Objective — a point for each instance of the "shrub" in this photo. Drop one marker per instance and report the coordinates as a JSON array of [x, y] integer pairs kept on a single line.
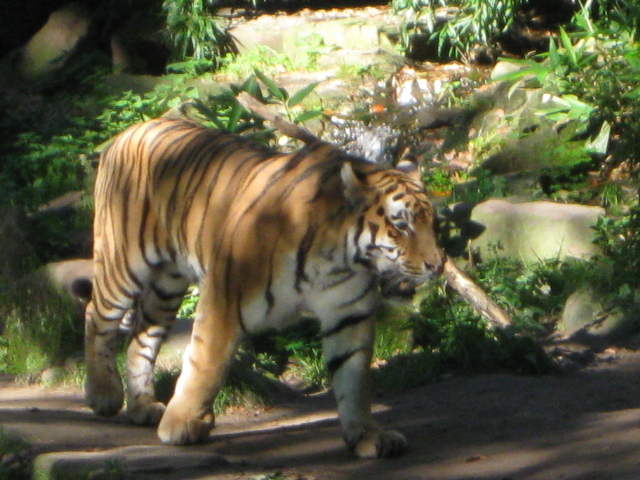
[[38, 327], [195, 32], [457, 26], [15, 457]]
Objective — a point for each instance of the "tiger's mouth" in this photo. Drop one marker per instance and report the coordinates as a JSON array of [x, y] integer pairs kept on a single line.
[[397, 286]]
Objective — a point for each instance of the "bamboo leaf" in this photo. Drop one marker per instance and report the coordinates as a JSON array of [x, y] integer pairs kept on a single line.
[[301, 94], [279, 93], [568, 46]]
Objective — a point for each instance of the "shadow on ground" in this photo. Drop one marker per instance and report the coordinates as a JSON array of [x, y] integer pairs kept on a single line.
[[574, 426]]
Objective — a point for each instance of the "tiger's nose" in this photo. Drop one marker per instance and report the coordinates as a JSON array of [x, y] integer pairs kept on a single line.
[[435, 270]]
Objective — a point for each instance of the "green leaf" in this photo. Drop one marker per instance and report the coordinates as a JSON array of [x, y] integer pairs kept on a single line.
[[554, 57], [600, 143], [301, 94], [280, 93], [308, 115], [251, 87], [568, 46], [234, 116]]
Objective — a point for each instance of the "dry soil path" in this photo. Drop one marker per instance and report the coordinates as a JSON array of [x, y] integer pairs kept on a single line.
[[583, 425]]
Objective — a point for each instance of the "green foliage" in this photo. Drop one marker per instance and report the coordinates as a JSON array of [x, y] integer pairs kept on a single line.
[[619, 241], [39, 328], [621, 15], [457, 26], [261, 57], [15, 457], [195, 32], [41, 154], [289, 102], [447, 328], [595, 69], [223, 111]]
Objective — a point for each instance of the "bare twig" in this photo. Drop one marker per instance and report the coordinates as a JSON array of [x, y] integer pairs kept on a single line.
[[285, 126]]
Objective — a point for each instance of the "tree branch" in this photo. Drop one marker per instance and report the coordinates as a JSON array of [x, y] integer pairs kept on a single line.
[[475, 295], [285, 126]]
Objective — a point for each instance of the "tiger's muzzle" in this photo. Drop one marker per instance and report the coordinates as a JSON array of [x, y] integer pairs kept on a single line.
[[402, 285]]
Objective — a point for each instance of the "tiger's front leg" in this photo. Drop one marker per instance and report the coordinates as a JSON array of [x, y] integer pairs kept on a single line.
[[348, 349], [214, 340]]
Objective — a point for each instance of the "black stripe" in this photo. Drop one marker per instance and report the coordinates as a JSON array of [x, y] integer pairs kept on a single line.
[[148, 319], [373, 228], [371, 285], [268, 294], [359, 230], [301, 256], [132, 276], [146, 207], [349, 321], [347, 275], [336, 363], [164, 295], [157, 334]]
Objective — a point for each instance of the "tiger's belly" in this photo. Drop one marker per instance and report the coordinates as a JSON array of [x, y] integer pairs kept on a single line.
[[326, 297], [276, 308]]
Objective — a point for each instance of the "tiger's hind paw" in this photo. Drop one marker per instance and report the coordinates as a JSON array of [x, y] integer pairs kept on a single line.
[[380, 444], [185, 432], [146, 414], [104, 401]]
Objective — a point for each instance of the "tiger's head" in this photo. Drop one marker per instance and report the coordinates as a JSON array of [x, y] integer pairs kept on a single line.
[[397, 227]]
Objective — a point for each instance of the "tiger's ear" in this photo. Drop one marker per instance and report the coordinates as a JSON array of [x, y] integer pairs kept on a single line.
[[409, 165], [353, 185]]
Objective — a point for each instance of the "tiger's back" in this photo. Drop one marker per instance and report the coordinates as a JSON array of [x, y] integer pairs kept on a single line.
[[266, 235]]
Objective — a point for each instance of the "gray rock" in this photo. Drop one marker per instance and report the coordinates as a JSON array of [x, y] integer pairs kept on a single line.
[[291, 34], [124, 462], [587, 318], [51, 375], [54, 44], [532, 231]]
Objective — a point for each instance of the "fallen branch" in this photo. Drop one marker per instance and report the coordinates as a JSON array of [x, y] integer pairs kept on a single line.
[[283, 125], [457, 279], [475, 295]]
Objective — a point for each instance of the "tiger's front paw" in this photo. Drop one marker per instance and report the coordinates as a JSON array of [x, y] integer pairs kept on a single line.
[[380, 444], [175, 430], [104, 398], [146, 414]]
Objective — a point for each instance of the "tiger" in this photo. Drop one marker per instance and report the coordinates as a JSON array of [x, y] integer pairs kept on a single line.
[[266, 236]]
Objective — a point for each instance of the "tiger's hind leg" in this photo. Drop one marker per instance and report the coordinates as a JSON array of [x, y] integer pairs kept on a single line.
[[103, 388], [156, 313]]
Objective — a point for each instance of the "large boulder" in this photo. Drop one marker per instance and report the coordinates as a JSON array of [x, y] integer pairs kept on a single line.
[[532, 231], [53, 45]]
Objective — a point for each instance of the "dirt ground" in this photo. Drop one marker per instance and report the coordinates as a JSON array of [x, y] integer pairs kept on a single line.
[[582, 425]]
